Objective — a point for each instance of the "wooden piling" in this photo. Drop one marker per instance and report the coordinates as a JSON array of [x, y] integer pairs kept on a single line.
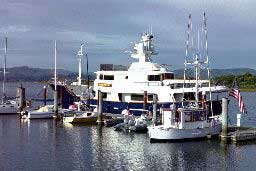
[[100, 101], [20, 99], [154, 109], [238, 122], [224, 132], [145, 101], [55, 104], [45, 95]]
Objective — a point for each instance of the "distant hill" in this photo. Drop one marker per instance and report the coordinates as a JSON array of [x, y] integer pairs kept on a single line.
[[25, 73], [217, 72]]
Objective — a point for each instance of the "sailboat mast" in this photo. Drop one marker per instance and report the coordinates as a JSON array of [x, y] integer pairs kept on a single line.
[[4, 79], [55, 66]]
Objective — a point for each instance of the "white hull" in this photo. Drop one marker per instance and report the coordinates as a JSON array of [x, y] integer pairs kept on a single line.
[[87, 117], [40, 115], [161, 133], [8, 109]]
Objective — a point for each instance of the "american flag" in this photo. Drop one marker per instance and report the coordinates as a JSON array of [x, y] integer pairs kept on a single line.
[[235, 92]]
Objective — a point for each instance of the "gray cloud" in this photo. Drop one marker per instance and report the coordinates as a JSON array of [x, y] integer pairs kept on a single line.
[[108, 27]]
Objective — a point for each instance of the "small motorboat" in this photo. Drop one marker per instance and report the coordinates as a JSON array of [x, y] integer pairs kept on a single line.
[[82, 117], [41, 113], [46, 112], [9, 107]]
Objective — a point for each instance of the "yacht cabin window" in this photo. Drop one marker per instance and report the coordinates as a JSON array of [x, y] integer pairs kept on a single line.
[[154, 78], [140, 97], [101, 77], [106, 77], [120, 97], [167, 76]]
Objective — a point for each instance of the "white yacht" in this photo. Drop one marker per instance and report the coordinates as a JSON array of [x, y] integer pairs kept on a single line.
[[126, 89], [191, 120]]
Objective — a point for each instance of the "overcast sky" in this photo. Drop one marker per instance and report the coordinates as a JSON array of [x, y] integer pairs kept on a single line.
[[107, 28]]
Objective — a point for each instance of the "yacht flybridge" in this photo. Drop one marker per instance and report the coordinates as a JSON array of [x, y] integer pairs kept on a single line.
[[127, 89]]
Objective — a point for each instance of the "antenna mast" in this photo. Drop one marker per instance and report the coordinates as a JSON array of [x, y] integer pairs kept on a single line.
[[80, 55], [207, 58], [4, 79], [189, 31]]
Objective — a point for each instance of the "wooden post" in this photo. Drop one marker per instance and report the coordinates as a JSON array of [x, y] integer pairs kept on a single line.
[[224, 132], [55, 104], [21, 98], [238, 117], [154, 109], [45, 95], [145, 102], [100, 99], [61, 97], [24, 97]]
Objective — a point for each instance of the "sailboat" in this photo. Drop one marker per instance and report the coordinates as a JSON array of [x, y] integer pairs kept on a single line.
[[46, 111], [194, 119], [7, 106]]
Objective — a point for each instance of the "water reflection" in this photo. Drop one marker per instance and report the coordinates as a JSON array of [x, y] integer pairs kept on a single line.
[[49, 145]]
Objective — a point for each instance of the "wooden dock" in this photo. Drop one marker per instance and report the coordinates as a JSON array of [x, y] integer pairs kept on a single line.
[[239, 134]]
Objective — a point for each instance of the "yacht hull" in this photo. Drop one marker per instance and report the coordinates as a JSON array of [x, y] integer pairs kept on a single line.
[[8, 109], [80, 119], [171, 134], [136, 108], [40, 115]]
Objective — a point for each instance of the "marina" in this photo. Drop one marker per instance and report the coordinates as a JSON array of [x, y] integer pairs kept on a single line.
[[79, 147], [127, 86]]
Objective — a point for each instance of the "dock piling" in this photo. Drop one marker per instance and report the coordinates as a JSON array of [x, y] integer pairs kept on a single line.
[[45, 95], [55, 104], [145, 101], [100, 99], [238, 123], [21, 98], [224, 132], [154, 109]]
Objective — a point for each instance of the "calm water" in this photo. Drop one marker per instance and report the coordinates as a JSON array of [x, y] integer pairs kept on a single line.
[[47, 145]]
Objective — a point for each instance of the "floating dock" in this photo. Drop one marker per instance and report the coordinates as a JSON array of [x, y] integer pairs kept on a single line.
[[240, 134]]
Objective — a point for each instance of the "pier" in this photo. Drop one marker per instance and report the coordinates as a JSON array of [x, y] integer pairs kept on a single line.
[[235, 134]]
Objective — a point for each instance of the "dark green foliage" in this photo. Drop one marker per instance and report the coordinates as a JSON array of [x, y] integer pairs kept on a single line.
[[245, 81]]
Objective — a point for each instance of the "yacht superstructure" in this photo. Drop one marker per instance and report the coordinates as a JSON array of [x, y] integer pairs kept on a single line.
[[127, 89]]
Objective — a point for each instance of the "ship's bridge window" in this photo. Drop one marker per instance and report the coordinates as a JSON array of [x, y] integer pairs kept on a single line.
[[167, 76], [101, 77], [106, 77], [140, 97], [154, 78]]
